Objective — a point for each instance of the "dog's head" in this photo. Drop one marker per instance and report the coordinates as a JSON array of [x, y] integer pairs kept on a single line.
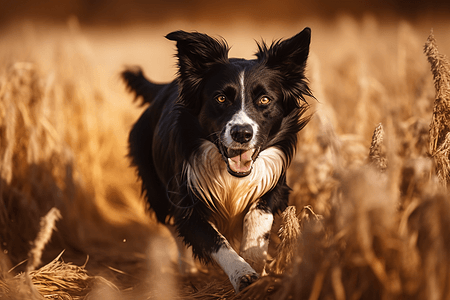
[[244, 106]]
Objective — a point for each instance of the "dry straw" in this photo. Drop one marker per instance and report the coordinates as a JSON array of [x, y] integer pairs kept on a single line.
[[47, 226], [55, 280], [440, 124], [54, 151], [373, 241], [289, 232], [377, 155]]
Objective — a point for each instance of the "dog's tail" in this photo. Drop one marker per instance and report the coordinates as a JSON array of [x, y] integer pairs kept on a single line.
[[136, 82]]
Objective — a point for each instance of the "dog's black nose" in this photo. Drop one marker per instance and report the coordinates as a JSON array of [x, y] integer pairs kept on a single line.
[[241, 133]]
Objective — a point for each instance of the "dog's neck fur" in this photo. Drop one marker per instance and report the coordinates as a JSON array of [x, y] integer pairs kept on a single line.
[[227, 196]]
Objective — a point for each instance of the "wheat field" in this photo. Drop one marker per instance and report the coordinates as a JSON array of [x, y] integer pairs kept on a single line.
[[370, 211]]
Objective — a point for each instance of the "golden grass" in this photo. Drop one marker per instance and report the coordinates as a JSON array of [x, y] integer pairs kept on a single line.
[[289, 232], [373, 216], [377, 157], [439, 128]]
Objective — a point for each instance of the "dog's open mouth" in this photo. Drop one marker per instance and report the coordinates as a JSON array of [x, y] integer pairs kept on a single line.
[[239, 161]]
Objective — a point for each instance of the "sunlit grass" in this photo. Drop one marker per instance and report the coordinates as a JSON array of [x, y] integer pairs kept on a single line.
[[382, 220]]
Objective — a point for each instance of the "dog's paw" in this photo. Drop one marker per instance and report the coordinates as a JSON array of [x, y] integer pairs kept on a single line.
[[247, 280]]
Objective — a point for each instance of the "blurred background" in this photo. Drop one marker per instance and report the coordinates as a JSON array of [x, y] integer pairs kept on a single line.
[[119, 12]]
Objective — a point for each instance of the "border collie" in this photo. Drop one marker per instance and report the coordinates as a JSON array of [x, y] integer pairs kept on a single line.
[[213, 147]]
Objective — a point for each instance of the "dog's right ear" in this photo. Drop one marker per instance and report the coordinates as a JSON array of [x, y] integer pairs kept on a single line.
[[197, 53]]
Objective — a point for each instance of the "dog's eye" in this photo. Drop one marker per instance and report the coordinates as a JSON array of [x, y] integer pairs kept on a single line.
[[221, 98], [264, 100]]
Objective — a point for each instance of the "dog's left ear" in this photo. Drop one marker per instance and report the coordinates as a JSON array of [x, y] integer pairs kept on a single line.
[[197, 54], [289, 58]]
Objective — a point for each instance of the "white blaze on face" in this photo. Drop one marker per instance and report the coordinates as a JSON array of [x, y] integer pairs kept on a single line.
[[240, 118], [242, 86]]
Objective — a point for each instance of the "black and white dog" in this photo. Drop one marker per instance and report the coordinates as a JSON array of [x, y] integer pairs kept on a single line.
[[213, 147]]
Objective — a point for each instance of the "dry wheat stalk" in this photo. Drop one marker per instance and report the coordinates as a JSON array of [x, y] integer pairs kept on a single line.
[[377, 155], [55, 280], [47, 225], [58, 278], [440, 124], [441, 157], [289, 232]]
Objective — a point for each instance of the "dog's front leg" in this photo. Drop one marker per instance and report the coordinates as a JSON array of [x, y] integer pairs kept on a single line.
[[258, 223], [209, 244], [255, 240], [240, 273]]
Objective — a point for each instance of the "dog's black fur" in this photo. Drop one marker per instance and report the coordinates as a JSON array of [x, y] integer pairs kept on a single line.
[[193, 113]]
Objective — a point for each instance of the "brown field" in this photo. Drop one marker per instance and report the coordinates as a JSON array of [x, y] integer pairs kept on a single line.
[[371, 211]]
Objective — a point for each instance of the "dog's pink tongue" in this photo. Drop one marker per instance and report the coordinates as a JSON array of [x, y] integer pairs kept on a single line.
[[241, 163]]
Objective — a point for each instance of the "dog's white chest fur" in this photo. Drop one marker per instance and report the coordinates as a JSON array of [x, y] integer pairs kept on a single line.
[[226, 195]]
